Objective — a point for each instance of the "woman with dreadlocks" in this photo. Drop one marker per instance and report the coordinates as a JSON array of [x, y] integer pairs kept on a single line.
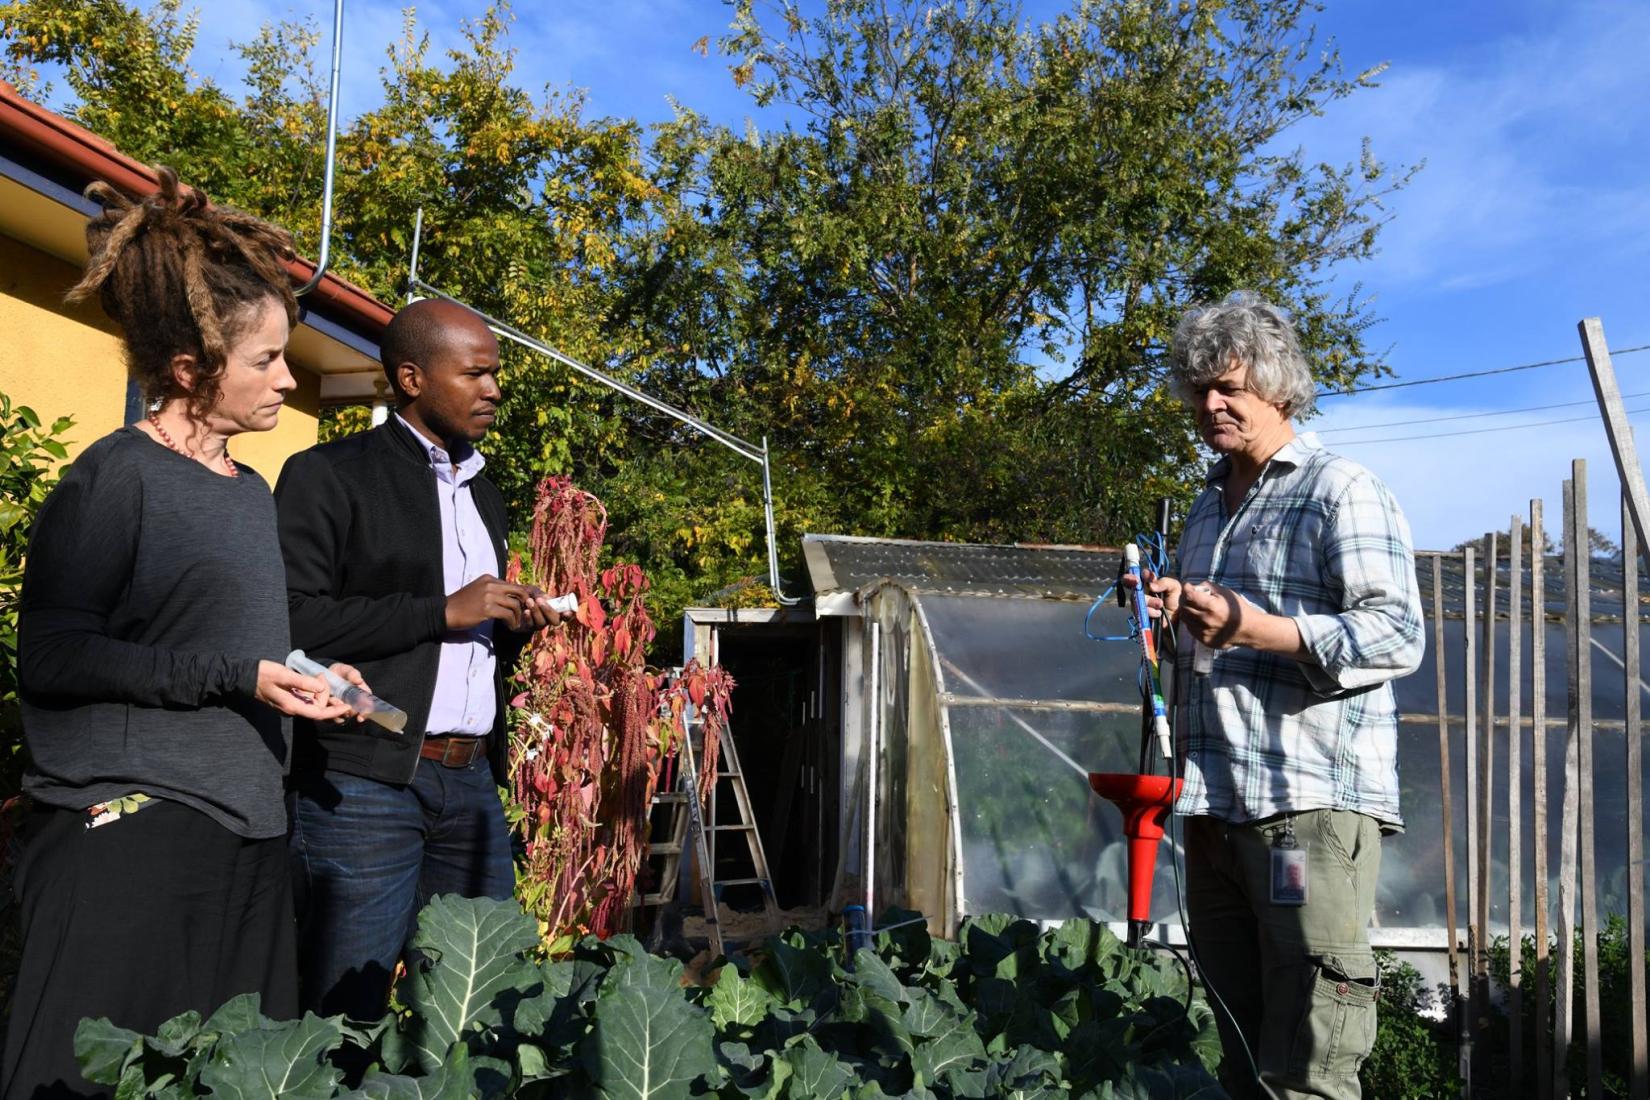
[[153, 624]]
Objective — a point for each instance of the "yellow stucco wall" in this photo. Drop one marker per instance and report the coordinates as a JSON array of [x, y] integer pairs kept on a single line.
[[59, 360], [66, 361]]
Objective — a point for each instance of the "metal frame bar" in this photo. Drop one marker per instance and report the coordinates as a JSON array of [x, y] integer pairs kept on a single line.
[[874, 737], [417, 287], [332, 153], [953, 913]]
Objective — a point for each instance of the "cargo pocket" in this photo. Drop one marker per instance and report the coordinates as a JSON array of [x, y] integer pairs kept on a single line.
[[1338, 1029]]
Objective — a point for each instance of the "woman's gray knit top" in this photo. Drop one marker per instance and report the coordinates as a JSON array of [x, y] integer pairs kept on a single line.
[[152, 588]]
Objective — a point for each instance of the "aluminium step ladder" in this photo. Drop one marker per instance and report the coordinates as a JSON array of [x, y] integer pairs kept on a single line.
[[687, 824]]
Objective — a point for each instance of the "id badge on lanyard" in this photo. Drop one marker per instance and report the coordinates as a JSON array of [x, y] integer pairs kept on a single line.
[[1289, 881]]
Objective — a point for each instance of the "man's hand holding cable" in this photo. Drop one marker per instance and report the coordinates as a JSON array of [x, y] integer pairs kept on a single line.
[[1220, 618], [1163, 593]]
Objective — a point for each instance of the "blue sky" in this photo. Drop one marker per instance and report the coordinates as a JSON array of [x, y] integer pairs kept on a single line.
[[1532, 118]]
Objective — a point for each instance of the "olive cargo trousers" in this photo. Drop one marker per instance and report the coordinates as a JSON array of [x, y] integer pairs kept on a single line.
[[1299, 979]]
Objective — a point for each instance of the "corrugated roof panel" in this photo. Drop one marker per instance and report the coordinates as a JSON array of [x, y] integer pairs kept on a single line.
[[844, 563], [1605, 577]]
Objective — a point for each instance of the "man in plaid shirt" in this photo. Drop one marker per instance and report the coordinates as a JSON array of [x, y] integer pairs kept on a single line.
[[1295, 609]]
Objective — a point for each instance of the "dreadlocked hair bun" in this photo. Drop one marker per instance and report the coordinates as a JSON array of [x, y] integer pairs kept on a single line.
[[181, 277]]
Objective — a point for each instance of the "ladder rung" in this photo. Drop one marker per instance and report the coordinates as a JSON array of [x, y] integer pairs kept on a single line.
[[733, 828], [730, 775], [742, 882], [664, 849], [669, 797], [654, 899]]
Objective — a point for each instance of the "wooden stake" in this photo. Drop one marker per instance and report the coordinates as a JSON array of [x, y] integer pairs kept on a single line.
[[1616, 427], [1474, 1006], [1538, 793], [1444, 787], [1486, 772], [1638, 1077], [1515, 782], [1584, 725], [1563, 1008], [1636, 514]]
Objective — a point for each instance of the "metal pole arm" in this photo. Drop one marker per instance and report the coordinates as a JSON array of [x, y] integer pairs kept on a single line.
[[758, 455], [321, 260]]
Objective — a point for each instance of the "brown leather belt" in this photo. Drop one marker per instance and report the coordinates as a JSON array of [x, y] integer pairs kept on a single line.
[[453, 752]]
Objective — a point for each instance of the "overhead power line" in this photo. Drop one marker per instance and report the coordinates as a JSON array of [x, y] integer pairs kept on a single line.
[[1471, 416], [1479, 431], [1472, 374]]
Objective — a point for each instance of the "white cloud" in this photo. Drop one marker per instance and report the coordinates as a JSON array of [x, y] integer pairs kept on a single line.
[[1535, 146]]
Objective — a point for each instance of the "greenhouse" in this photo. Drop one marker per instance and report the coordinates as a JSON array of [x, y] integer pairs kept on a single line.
[[957, 694]]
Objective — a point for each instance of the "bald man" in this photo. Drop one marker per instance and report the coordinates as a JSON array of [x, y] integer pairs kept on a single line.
[[394, 542]]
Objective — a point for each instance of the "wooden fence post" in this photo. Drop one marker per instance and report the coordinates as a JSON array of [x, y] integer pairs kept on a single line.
[[1515, 808], [1474, 1006], [1638, 1078], [1565, 993], [1636, 513], [1444, 782], [1584, 722], [1486, 769], [1538, 792], [1614, 415]]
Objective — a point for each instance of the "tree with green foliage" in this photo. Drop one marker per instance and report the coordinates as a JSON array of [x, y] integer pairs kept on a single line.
[[942, 288], [946, 288]]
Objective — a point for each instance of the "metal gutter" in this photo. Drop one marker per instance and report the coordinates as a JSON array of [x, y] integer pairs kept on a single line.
[[57, 142]]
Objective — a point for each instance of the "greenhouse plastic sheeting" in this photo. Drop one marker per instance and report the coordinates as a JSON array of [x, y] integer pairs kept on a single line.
[[1035, 839], [993, 709], [1032, 649]]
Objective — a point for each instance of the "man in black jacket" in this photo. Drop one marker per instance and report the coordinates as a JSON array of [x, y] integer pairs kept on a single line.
[[393, 544]]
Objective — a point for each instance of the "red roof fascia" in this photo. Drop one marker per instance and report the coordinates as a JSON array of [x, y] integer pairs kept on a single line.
[[55, 139]]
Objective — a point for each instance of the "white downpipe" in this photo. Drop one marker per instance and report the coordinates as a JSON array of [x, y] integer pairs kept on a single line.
[[873, 748]]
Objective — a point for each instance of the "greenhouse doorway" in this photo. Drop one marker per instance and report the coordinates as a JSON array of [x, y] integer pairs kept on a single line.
[[787, 727]]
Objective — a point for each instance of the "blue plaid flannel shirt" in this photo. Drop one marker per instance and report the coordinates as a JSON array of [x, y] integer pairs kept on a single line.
[[1318, 538]]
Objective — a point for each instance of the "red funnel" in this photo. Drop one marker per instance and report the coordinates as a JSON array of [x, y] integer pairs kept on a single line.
[[1145, 801]]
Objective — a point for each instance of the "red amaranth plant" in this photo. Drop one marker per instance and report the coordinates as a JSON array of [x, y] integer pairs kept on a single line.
[[593, 725]]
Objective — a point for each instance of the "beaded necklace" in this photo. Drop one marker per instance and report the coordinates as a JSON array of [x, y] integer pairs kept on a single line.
[[154, 422]]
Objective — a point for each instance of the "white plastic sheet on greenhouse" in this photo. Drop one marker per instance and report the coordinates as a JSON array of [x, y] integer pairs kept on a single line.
[[989, 705], [992, 711]]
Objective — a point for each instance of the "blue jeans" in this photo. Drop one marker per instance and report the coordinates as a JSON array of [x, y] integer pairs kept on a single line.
[[367, 856]]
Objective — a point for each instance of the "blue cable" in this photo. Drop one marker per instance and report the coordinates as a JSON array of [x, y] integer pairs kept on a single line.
[[1156, 556]]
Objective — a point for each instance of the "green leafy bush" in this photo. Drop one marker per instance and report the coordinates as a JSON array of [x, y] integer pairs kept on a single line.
[[29, 457], [1007, 1011], [1614, 994], [1415, 1054], [29, 466]]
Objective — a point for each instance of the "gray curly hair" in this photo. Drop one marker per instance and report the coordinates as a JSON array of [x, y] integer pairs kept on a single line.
[[1247, 329]]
